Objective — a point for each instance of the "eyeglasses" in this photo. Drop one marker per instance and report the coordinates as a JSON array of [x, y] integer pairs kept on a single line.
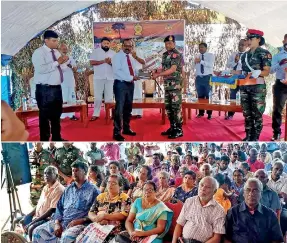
[[112, 183]]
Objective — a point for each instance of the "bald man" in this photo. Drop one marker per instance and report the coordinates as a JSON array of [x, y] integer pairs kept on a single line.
[[68, 85]]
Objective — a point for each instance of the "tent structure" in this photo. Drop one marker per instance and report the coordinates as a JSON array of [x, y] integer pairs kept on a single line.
[[23, 20]]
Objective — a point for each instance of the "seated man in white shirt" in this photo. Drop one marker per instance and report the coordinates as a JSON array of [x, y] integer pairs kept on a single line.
[[201, 219], [204, 69], [101, 60], [68, 85]]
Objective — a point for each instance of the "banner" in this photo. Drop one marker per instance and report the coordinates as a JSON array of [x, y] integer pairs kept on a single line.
[[147, 35]]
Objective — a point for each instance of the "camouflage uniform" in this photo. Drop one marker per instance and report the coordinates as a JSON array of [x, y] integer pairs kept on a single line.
[[39, 161], [173, 90], [253, 96], [65, 157], [94, 155]]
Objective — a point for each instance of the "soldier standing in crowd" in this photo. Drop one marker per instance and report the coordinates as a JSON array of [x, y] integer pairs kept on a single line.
[[52, 149], [64, 157], [39, 159], [96, 156], [172, 67], [255, 65]]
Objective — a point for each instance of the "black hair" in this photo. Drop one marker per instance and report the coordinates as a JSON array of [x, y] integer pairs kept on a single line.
[[127, 39], [116, 163], [50, 34], [285, 36], [156, 154], [238, 170], [105, 39], [96, 169], [223, 179], [188, 155], [118, 178], [211, 155], [191, 173], [80, 164], [151, 183], [245, 165], [203, 44], [179, 150], [195, 158], [225, 158], [149, 175]]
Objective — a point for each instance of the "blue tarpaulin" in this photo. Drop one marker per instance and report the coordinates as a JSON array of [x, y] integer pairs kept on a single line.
[[5, 59]]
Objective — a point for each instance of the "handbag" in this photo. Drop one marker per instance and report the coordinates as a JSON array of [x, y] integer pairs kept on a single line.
[[123, 238]]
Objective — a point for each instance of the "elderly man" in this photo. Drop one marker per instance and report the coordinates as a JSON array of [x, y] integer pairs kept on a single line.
[[250, 221], [46, 206], [72, 210], [202, 218], [68, 84], [269, 197]]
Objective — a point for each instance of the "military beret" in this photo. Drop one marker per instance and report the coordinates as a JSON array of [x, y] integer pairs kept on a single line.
[[251, 33], [169, 38]]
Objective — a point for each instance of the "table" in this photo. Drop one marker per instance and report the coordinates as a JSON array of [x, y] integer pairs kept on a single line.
[[145, 103], [32, 112], [203, 104]]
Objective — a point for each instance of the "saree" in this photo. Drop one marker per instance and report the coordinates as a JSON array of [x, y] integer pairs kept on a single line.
[[146, 219]]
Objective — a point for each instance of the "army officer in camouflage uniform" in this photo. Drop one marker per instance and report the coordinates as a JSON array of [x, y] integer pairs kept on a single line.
[[172, 67], [39, 159], [64, 157], [254, 65]]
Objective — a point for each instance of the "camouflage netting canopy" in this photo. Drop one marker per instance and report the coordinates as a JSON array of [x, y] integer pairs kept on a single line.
[[221, 34]]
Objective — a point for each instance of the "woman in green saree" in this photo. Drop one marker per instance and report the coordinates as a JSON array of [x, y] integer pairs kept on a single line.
[[148, 216]]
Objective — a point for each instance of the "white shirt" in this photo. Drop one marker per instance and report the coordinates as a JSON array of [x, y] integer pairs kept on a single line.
[[103, 71], [45, 68], [228, 172], [278, 186], [231, 60], [123, 152], [69, 80], [121, 68], [208, 64], [234, 165]]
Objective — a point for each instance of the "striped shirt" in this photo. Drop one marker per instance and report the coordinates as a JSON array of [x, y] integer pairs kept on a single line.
[[201, 222]]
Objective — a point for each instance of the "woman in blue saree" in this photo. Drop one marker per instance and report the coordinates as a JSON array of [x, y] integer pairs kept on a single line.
[[148, 216]]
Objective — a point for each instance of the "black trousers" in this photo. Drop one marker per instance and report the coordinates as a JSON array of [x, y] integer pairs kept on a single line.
[[50, 102], [202, 87], [124, 94], [279, 99]]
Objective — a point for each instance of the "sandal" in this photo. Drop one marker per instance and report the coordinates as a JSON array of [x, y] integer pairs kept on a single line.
[[94, 118]]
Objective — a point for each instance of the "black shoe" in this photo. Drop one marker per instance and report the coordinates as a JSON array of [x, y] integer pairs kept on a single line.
[[167, 132], [209, 117], [199, 116], [276, 137], [74, 118], [175, 134], [130, 132], [118, 137]]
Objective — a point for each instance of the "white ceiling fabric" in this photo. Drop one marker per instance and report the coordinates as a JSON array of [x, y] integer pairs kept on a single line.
[[22, 20]]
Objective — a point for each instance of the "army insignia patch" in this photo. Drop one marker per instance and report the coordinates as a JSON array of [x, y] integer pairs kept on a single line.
[[174, 55], [170, 38]]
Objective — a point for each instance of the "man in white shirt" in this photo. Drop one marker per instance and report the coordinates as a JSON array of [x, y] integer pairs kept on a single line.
[[68, 85], [232, 64], [234, 163], [48, 76], [101, 60], [124, 69], [204, 70]]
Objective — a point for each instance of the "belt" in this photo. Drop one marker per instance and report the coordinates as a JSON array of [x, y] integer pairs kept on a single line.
[[250, 81], [123, 81], [48, 85]]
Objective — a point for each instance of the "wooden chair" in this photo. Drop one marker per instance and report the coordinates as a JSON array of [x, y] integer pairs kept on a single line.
[[89, 76], [149, 86]]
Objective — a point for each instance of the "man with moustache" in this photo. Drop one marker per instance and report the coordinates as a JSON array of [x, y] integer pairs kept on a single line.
[[172, 75], [71, 215], [124, 69], [250, 221], [48, 76], [232, 63], [101, 60], [278, 66], [201, 218]]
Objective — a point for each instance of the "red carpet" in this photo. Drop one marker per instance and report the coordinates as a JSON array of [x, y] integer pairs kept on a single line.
[[149, 128]]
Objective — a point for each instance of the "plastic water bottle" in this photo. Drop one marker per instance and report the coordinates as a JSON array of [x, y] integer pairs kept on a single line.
[[24, 103], [74, 100], [210, 96], [189, 98], [238, 98]]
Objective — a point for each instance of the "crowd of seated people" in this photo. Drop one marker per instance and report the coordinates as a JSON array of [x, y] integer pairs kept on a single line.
[[236, 197]]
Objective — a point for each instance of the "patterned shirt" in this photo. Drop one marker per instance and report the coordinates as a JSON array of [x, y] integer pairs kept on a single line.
[[155, 170], [262, 226], [182, 195], [201, 222], [75, 202], [174, 80], [112, 151]]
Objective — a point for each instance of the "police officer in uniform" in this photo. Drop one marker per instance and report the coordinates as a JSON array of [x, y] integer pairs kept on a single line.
[[39, 159], [254, 65], [64, 157], [172, 67]]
